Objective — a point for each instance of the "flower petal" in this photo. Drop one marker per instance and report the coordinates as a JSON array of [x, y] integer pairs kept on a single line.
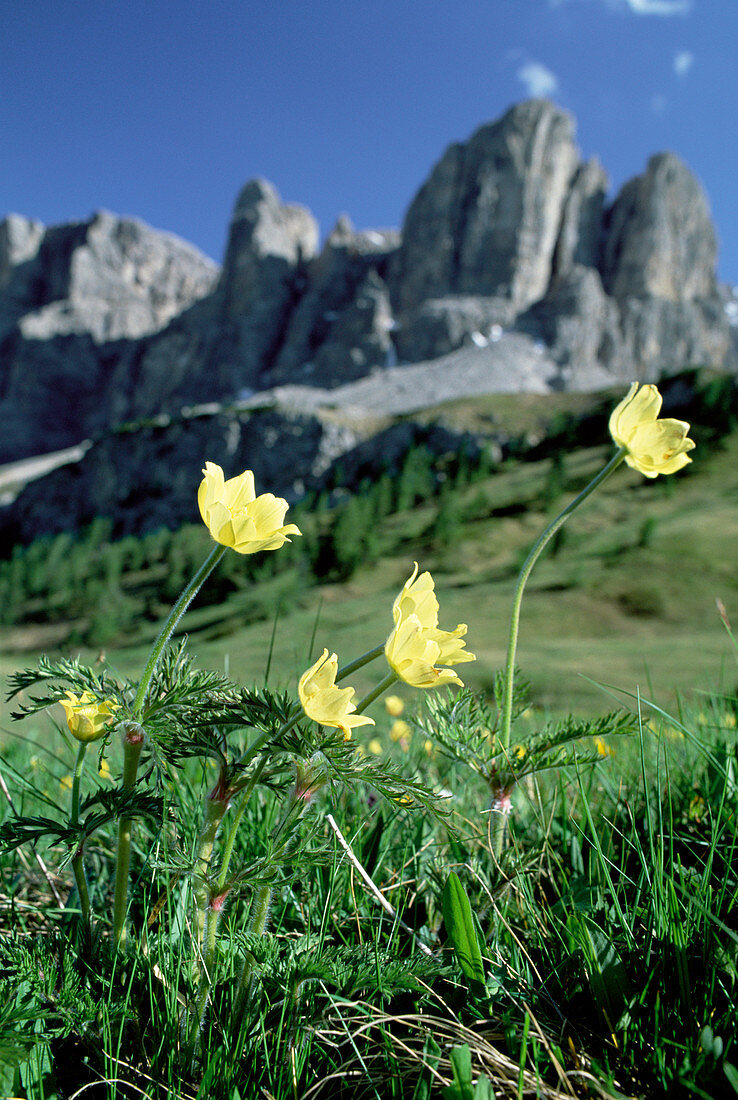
[[654, 446]]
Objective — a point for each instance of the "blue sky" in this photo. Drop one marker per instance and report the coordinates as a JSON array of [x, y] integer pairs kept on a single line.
[[164, 109]]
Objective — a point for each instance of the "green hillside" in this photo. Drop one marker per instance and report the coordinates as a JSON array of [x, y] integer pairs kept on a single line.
[[626, 597]]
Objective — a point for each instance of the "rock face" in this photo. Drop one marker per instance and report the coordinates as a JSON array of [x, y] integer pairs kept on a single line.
[[341, 326], [510, 266], [487, 219], [660, 242], [107, 278], [269, 247]]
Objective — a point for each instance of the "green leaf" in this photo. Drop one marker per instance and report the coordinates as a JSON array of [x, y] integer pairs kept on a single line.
[[431, 1058], [732, 1074], [461, 1087], [608, 978], [459, 922]]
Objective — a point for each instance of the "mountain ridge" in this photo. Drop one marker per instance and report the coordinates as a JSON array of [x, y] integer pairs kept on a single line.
[[511, 273]]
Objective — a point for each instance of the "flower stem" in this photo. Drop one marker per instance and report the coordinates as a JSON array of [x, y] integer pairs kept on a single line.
[[208, 963], [133, 739], [185, 599], [215, 809], [507, 706], [259, 913], [231, 838], [78, 865], [390, 679], [371, 655]]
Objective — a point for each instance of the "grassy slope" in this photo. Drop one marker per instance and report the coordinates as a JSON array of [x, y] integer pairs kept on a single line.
[[636, 617]]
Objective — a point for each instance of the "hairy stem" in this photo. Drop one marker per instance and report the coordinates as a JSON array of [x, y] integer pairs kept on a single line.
[[184, 601], [259, 914], [390, 679], [133, 739], [78, 865], [371, 655], [507, 706]]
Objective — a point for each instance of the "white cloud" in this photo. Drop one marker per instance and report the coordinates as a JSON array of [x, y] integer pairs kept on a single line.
[[538, 80], [641, 7], [683, 62], [660, 7]]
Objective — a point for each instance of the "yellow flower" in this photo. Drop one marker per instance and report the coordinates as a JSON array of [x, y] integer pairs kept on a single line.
[[237, 518], [696, 809], [603, 749], [654, 446], [375, 746], [519, 751], [88, 719], [416, 645], [428, 747], [394, 706], [104, 770], [324, 702], [66, 782], [399, 730]]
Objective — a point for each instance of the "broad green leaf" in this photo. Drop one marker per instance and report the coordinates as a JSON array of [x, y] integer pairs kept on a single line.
[[461, 1087], [459, 922]]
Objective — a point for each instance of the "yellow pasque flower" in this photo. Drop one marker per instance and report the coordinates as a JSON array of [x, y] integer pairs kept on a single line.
[[88, 719], [237, 518], [399, 730], [324, 702], [375, 746], [394, 706], [416, 645], [654, 446]]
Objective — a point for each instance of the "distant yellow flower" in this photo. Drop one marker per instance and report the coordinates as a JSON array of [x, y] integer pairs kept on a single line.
[[237, 518], [399, 729], [375, 746], [416, 645], [66, 782], [696, 809], [87, 718], [104, 770], [654, 446], [324, 702], [603, 749], [428, 747], [394, 706], [519, 752]]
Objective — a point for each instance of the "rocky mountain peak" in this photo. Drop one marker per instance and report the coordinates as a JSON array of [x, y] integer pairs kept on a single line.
[[487, 219], [512, 271], [107, 277], [660, 240]]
